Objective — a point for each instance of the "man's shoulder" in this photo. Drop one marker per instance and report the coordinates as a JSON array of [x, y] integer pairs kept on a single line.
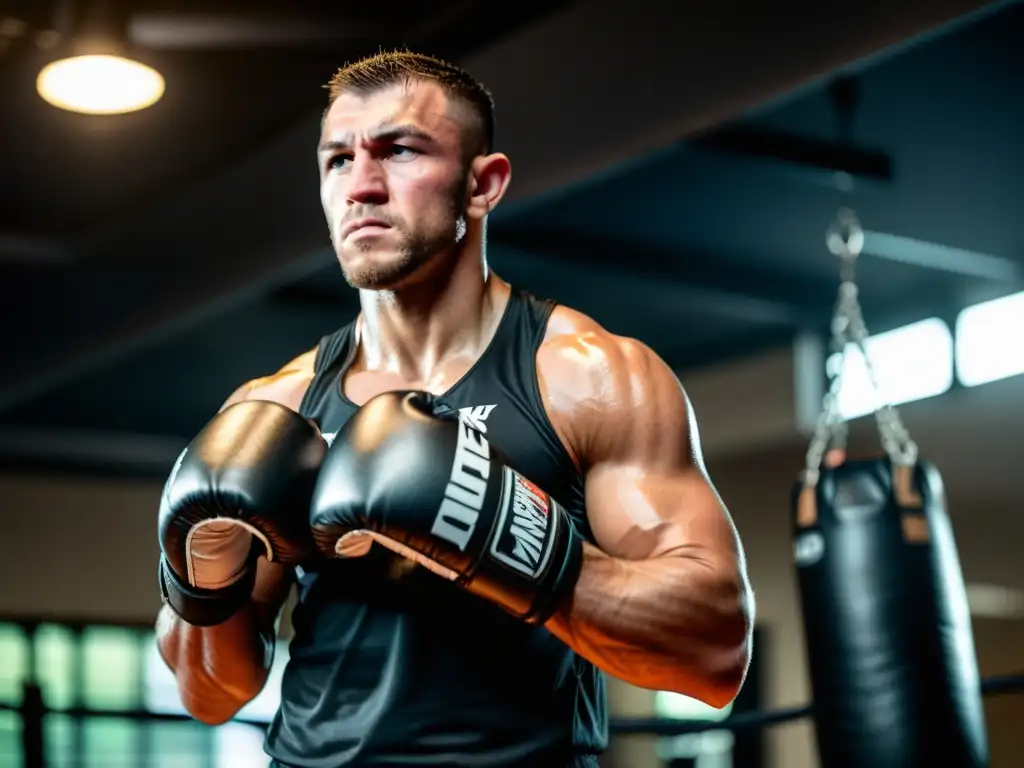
[[604, 392], [285, 386], [578, 348]]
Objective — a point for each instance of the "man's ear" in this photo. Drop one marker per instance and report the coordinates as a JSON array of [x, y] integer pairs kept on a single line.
[[489, 177]]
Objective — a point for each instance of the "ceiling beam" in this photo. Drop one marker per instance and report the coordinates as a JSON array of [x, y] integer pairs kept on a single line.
[[824, 157], [942, 258], [636, 77], [705, 283], [88, 450]]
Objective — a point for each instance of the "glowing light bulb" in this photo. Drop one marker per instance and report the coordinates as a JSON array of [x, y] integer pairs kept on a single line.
[[100, 84]]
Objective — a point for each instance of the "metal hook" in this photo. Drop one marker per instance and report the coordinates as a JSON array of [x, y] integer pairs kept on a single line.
[[845, 237]]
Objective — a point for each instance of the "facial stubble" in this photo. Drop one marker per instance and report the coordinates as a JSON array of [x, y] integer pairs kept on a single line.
[[415, 249]]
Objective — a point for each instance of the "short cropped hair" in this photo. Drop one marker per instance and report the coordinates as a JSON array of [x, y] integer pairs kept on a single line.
[[389, 68]]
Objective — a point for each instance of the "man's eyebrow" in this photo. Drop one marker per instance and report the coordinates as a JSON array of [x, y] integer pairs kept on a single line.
[[392, 132], [383, 133]]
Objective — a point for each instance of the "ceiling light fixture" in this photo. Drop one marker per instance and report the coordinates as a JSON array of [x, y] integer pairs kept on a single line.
[[102, 81]]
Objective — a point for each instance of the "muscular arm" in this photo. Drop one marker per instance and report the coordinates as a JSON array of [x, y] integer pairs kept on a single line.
[[222, 668], [663, 602]]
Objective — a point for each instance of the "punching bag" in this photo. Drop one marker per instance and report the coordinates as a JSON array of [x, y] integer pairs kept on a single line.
[[893, 671]]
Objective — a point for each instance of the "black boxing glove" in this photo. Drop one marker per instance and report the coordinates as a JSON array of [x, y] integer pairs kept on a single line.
[[435, 491], [239, 490]]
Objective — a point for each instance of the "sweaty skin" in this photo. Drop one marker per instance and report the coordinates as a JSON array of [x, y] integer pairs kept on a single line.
[[663, 600]]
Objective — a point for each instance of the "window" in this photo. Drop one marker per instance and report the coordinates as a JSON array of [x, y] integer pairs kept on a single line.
[[54, 649], [988, 341], [111, 668], [118, 669], [10, 738], [910, 363], [14, 652]]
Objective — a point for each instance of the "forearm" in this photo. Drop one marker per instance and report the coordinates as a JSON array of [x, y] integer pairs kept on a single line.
[[219, 669], [666, 623]]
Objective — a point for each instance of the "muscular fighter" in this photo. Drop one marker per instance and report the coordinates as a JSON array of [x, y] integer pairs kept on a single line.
[[486, 500]]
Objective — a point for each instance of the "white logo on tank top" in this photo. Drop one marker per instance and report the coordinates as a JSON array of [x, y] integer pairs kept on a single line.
[[476, 416]]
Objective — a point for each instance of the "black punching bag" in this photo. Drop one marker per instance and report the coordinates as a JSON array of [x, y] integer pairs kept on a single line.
[[893, 672]]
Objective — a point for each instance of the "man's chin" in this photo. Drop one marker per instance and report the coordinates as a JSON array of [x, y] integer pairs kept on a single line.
[[377, 277], [372, 283], [380, 272]]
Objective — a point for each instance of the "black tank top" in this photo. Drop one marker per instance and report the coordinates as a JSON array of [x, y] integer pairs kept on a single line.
[[392, 666]]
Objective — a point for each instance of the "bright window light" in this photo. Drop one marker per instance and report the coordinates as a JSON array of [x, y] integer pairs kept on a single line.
[[988, 341], [265, 706], [676, 706], [910, 363], [238, 745]]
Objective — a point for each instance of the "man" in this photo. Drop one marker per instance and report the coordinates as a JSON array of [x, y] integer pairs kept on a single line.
[[546, 473]]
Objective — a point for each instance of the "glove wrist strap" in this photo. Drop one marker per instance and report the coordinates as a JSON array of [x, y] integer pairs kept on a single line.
[[561, 582], [203, 607]]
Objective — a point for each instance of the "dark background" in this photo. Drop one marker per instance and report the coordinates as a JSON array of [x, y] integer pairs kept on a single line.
[[675, 187]]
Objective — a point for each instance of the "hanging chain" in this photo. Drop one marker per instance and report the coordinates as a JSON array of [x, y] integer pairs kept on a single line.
[[845, 239]]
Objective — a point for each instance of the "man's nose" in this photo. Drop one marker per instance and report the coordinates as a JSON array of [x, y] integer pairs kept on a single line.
[[366, 181]]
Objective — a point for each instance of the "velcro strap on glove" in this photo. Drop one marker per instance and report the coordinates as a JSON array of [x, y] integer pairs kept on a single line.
[[203, 607], [561, 583]]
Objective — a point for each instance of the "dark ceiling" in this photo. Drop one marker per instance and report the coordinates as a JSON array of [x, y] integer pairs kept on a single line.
[[122, 240]]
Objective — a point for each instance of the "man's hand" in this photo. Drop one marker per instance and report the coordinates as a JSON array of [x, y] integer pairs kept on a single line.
[[240, 489], [434, 490]]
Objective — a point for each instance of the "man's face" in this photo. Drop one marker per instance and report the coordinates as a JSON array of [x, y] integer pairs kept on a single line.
[[392, 181]]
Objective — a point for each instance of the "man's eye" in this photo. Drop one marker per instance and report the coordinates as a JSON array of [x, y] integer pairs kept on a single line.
[[337, 161], [401, 151]]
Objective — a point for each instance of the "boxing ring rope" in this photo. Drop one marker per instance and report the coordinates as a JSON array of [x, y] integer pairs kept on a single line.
[[661, 726], [33, 712]]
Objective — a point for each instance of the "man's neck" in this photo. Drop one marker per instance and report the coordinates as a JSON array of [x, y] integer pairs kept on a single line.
[[416, 331]]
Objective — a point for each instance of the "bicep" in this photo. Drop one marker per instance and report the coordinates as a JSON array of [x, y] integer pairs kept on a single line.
[[647, 491], [637, 513]]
